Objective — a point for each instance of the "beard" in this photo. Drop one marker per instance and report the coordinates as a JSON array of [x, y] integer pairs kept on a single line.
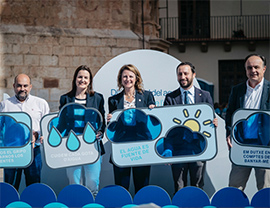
[[21, 95], [187, 85]]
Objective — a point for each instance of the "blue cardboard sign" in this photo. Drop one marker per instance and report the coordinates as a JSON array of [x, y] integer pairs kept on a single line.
[[70, 136], [169, 134], [15, 140], [251, 138]]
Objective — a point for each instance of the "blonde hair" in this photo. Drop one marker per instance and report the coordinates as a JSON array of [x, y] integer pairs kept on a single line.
[[132, 68]]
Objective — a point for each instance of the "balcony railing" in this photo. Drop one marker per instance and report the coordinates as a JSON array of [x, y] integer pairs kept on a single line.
[[220, 28]]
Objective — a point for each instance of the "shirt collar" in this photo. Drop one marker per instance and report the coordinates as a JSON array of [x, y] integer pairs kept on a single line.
[[190, 90], [256, 87]]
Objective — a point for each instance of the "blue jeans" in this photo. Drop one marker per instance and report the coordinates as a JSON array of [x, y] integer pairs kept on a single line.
[[87, 175], [32, 173]]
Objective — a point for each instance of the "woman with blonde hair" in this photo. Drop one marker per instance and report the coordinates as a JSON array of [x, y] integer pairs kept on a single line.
[[132, 96]]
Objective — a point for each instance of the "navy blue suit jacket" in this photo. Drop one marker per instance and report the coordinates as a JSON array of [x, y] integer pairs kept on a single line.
[[237, 99], [94, 101], [143, 99], [175, 97]]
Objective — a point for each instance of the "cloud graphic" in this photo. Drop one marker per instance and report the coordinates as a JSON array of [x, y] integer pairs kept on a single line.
[[13, 133], [133, 125], [254, 131], [77, 118], [181, 141]]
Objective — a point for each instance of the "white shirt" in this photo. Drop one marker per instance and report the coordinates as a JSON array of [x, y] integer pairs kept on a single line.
[[191, 95], [253, 96], [36, 108], [129, 104], [80, 101]]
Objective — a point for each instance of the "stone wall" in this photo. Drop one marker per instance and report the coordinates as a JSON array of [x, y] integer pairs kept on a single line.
[[51, 57], [49, 39], [94, 14], [100, 14]]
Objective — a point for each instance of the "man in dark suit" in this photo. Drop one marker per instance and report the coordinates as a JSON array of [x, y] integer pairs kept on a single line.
[[252, 94], [188, 94]]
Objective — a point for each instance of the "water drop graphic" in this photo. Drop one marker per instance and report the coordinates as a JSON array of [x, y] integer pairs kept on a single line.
[[89, 135], [54, 138], [73, 142]]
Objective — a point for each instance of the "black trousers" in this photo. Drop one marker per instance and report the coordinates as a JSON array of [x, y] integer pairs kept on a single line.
[[196, 171], [140, 176], [32, 173]]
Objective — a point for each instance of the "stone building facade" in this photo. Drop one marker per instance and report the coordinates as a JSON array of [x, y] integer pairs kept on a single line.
[[49, 39]]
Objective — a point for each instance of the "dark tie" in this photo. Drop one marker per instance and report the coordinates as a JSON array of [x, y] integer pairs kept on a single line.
[[186, 101]]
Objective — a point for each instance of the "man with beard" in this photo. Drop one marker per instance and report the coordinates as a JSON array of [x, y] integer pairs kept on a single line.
[[36, 107], [187, 94]]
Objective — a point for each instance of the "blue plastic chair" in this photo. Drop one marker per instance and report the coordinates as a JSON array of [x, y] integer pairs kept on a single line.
[[261, 198], [93, 205], [191, 197], [38, 195], [113, 196], [230, 197], [55, 204], [130, 206], [152, 194], [75, 195], [170, 206], [18, 204], [8, 194]]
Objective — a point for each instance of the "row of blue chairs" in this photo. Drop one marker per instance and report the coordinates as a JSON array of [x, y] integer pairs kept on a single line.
[[41, 195]]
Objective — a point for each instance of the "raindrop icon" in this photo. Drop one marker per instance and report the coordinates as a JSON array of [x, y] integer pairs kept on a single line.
[[54, 138], [89, 135], [73, 142]]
